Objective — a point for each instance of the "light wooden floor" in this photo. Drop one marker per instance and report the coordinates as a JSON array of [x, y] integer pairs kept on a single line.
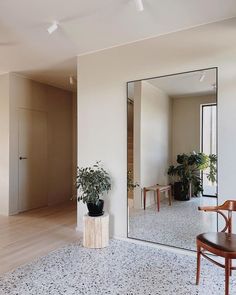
[[32, 234]]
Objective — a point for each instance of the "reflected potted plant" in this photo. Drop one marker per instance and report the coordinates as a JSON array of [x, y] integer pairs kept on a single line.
[[186, 174], [130, 182], [92, 182], [211, 176]]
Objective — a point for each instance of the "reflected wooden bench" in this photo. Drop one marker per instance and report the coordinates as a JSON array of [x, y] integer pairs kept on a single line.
[[158, 189]]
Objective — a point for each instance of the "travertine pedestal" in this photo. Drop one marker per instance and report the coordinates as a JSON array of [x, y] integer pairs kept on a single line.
[[96, 231]]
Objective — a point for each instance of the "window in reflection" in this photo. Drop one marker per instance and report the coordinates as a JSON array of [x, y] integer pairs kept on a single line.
[[208, 137]]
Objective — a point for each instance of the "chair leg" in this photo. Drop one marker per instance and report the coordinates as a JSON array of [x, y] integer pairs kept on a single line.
[[170, 196], [198, 264], [158, 200], [227, 274], [230, 264], [144, 199]]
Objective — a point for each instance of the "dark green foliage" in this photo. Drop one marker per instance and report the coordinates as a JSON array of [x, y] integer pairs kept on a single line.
[[188, 171], [213, 168], [92, 182], [130, 182]]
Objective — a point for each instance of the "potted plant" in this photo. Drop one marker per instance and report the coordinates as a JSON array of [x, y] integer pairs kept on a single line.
[[130, 182], [186, 175], [213, 168], [92, 182]]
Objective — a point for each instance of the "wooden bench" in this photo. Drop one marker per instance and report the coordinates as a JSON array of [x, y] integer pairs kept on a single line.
[[158, 189]]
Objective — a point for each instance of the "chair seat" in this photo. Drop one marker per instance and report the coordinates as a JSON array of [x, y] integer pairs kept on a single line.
[[221, 241], [157, 186]]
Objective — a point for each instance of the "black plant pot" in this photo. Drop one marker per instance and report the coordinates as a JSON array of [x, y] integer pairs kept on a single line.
[[179, 194], [96, 209]]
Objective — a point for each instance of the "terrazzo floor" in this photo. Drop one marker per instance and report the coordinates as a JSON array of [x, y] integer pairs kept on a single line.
[[122, 268], [176, 225]]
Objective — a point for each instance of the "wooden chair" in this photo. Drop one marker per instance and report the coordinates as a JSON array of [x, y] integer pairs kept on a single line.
[[158, 189], [222, 243]]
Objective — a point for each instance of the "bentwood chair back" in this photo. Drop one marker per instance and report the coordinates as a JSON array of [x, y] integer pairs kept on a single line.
[[222, 243]]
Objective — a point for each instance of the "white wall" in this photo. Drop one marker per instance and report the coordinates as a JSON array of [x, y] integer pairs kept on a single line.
[[102, 126], [186, 125], [59, 145], [137, 144], [74, 142], [57, 103], [155, 137], [4, 143]]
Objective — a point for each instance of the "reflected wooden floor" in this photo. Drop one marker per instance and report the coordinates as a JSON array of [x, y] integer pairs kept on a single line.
[[29, 235]]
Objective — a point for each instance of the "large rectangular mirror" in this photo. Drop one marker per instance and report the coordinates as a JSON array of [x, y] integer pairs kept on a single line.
[[172, 157]]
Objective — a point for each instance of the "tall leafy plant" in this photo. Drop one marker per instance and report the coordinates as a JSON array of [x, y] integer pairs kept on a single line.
[[212, 168], [188, 169], [92, 183]]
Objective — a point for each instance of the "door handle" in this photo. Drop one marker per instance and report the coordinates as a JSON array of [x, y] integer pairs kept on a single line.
[[22, 158]]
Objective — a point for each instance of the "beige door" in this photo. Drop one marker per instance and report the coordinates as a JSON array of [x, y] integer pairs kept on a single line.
[[32, 159]]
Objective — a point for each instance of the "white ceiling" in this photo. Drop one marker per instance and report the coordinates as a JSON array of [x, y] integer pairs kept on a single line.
[[183, 84], [86, 26], [187, 84]]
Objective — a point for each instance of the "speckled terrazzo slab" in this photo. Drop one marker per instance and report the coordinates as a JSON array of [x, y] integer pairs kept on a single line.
[[176, 225], [122, 268]]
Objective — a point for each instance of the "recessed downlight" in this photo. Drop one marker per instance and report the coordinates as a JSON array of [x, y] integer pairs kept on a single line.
[[202, 77], [71, 80], [52, 28], [213, 86], [139, 5]]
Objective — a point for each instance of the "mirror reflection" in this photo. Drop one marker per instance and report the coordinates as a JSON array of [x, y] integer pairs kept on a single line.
[[172, 157]]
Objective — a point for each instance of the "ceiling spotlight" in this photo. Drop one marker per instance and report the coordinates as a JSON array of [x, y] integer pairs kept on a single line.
[[52, 28], [202, 77], [213, 86], [139, 5], [71, 79]]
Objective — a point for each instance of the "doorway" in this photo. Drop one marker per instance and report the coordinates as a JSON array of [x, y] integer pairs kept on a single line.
[[32, 159]]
